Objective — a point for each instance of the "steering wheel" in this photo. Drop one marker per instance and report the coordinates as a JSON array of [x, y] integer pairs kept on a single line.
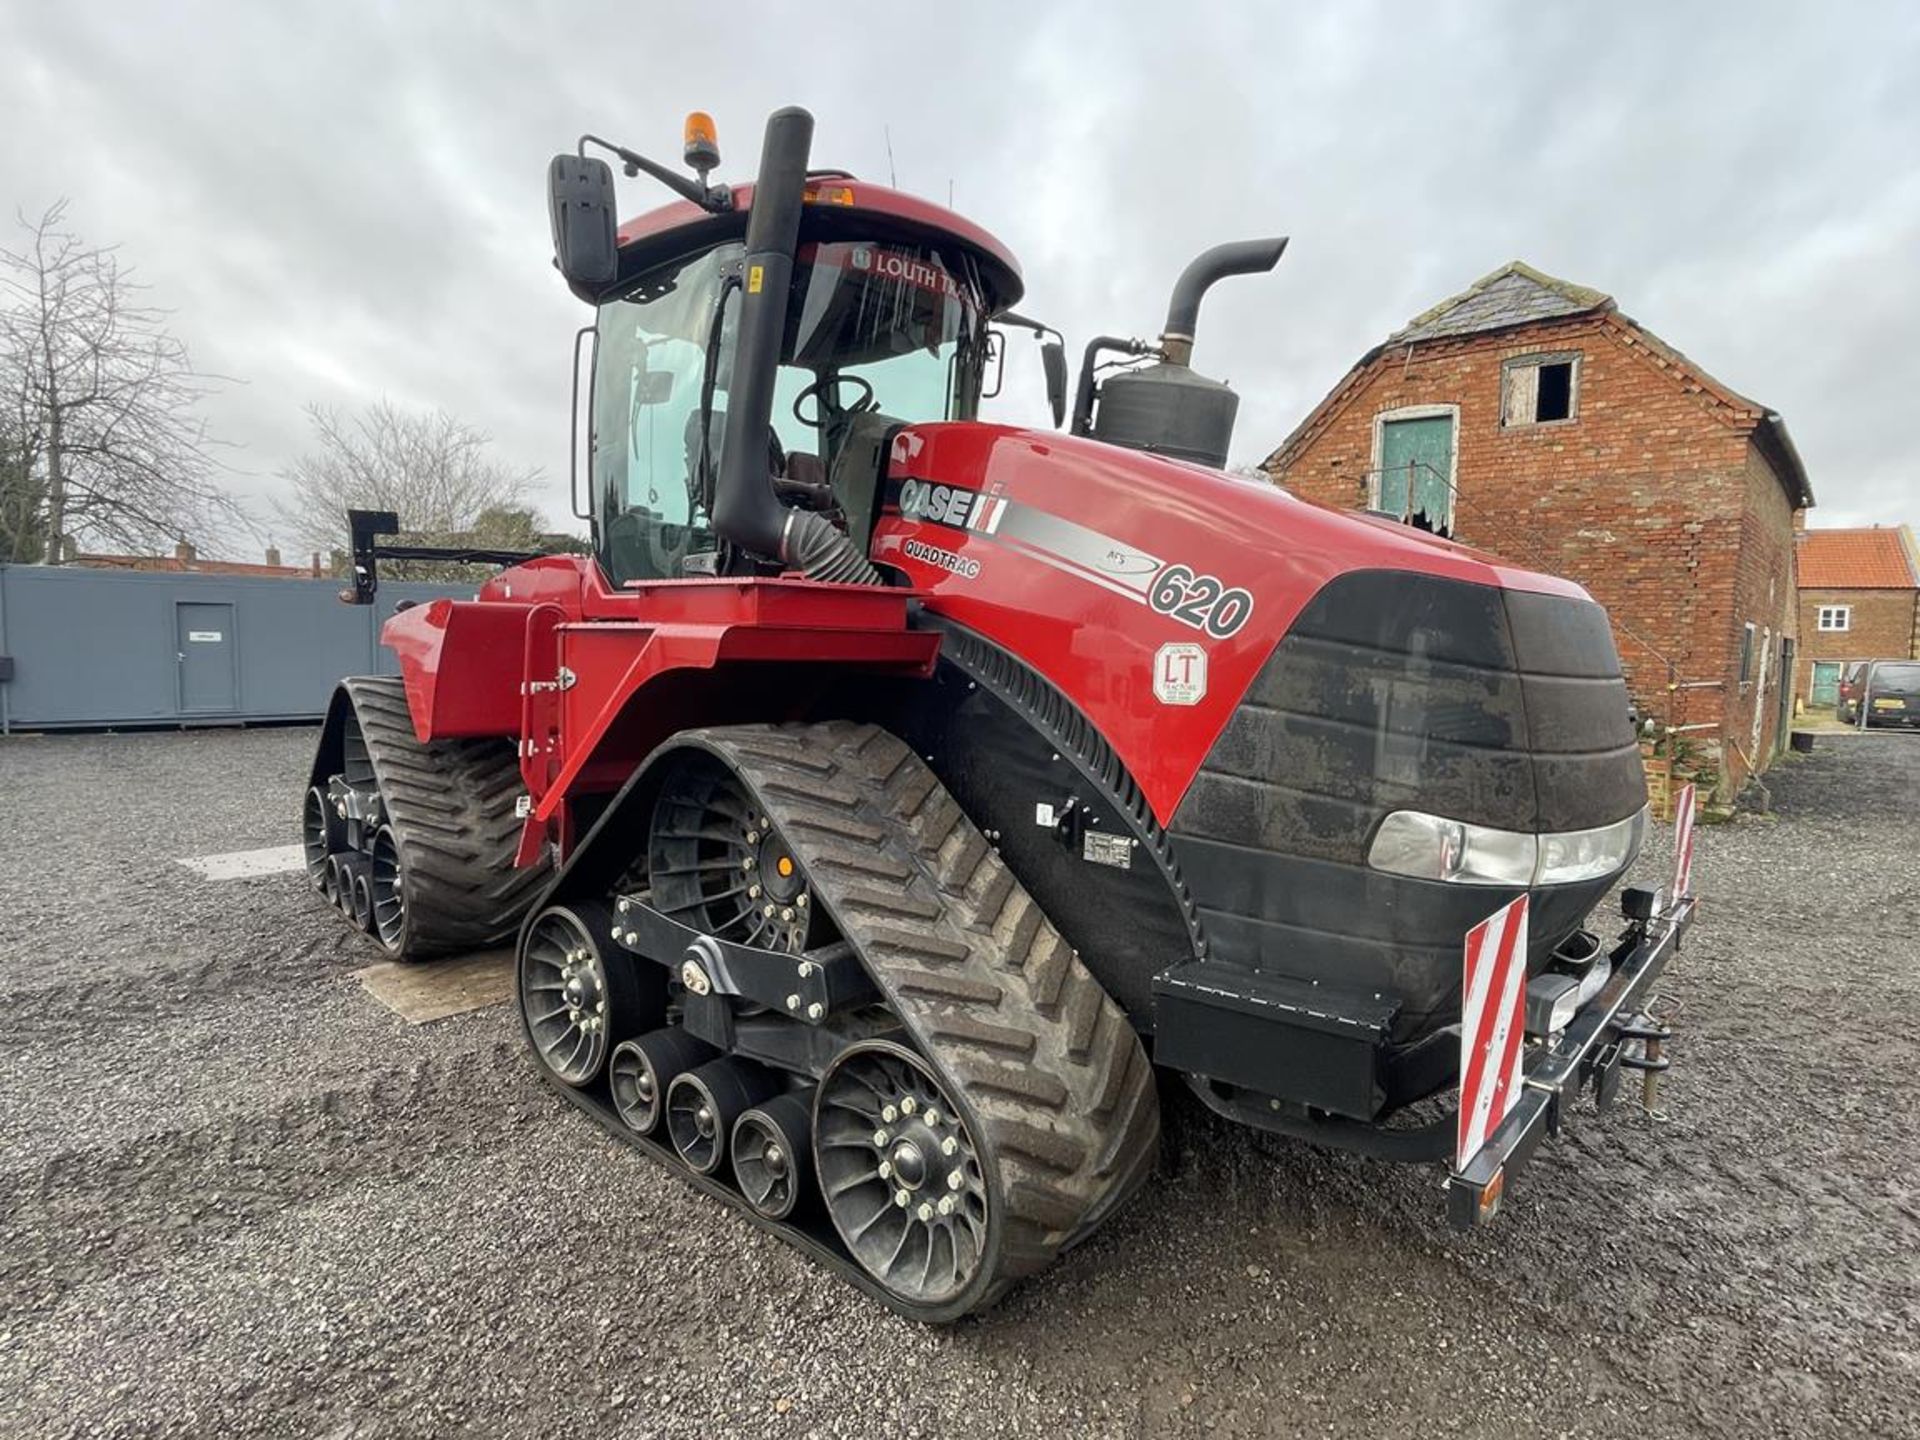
[[816, 392]]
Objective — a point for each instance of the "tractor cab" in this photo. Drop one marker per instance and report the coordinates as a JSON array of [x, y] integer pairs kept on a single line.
[[877, 334], [882, 321]]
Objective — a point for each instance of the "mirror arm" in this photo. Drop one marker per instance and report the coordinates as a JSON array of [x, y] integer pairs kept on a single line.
[[1053, 357], [716, 199], [1007, 317]]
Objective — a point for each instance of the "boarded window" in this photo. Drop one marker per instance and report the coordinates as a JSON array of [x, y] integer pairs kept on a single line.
[[1539, 389], [1836, 617]]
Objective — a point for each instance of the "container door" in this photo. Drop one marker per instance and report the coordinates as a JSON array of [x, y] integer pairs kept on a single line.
[[1826, 682], [1416, 462], [209, 683]]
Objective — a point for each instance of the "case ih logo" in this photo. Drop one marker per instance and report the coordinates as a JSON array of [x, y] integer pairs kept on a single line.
[[949, 505]]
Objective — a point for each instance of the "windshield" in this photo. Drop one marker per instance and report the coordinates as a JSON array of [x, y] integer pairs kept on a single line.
[[872, 329]]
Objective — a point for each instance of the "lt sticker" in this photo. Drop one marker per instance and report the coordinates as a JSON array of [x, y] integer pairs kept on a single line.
[[1180, 674]]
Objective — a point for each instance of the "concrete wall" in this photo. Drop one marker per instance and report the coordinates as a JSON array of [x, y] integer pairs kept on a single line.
[[1651, 497], [103, 647]]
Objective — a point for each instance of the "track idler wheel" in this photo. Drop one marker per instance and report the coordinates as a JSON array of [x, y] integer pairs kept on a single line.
[[703, 1106], [579, 996], [320, 835], [900, 1170], [773, 1154], [387, 898], [642, 1069]]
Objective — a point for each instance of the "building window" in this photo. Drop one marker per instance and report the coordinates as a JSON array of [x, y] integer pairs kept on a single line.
[[1746, 653], [1836, 617], [1539, 390]]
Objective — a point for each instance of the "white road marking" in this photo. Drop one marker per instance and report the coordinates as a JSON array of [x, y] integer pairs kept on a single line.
[[246, 864]]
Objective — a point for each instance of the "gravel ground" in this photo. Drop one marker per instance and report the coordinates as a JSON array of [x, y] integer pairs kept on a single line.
[[239, 1197]]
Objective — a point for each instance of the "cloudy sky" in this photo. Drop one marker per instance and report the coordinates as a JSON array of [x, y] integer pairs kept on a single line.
[[343, 201]]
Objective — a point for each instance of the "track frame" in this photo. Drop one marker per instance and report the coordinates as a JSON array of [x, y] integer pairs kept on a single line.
[[1039, 1064]]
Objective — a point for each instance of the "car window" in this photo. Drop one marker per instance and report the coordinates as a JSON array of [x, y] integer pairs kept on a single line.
[[1896, 677]]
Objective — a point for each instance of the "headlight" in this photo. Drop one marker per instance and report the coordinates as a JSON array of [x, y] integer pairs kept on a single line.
[[1589, 854], [1432, 847]]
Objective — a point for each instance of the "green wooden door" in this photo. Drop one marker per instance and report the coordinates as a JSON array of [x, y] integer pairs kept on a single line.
[[1826, 683], [1416, 458]]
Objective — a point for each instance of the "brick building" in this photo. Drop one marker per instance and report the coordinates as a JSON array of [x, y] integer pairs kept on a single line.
[[1528, 417], [1859, 600]]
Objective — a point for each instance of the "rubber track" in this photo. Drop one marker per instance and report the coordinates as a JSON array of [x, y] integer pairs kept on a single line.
[[451, 806], [1062, 1092]]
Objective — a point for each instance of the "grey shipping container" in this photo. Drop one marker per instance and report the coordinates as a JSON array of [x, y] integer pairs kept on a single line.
[[82, 647]]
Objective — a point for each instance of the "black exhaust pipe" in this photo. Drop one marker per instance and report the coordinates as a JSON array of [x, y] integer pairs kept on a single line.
[[1238, 257], [1166, 408], [746, 512]]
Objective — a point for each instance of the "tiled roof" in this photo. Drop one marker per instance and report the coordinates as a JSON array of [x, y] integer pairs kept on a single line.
[[1515, 294], [1883, 558]]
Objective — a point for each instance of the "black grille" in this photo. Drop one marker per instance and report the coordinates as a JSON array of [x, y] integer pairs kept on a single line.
[[1396, 691]]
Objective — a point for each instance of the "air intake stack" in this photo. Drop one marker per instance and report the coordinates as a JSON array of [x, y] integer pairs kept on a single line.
[[1166, 407]]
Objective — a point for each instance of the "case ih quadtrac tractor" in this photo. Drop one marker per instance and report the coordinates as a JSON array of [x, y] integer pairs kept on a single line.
[[893, 800]]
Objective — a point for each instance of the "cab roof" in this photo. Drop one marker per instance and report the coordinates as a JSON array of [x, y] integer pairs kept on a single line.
[[838, 206]]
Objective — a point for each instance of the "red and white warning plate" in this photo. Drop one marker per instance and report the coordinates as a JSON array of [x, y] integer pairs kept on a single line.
[[1492, 1026], [1683, 812]]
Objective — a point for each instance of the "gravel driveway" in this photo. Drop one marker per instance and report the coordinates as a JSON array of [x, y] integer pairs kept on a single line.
[[239, 1197]]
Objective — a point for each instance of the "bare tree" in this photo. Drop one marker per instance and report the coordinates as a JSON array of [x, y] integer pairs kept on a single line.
[[431, 469], [101, 427]]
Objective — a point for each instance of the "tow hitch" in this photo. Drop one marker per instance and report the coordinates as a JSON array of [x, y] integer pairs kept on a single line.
[[1638, 1044]]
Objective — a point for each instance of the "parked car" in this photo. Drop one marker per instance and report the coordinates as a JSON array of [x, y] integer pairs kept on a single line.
[[1888, 689], [1846, 705]]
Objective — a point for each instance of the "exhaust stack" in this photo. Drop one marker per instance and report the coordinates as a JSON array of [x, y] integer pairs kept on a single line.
[[746, 513], [1167, 408]]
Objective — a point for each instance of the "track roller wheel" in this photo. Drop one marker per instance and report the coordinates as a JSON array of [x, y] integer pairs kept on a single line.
[[360, 897], [901, 1173], [330, 880], [578, 996], [319, 836], [704, 1104], [772, 1154], [344, 868], [642, 1069]]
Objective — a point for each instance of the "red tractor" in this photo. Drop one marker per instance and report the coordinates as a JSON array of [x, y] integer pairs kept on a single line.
[[892, 798]]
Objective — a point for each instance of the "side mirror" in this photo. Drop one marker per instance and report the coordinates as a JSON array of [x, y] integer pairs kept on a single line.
[[581, 206], [1053, 359]]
